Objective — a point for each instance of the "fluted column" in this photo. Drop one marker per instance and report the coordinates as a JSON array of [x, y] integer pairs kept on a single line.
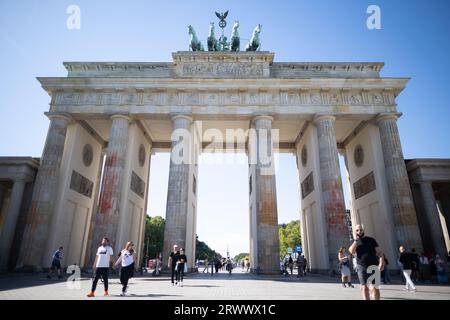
[[44, 194], [10, 223], [331, 182], [403, 210], [107, 216], [178, 186], [268, 246], [89, 257], [433, 219]]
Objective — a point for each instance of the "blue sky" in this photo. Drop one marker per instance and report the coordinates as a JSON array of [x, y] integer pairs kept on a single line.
[[414, 42]]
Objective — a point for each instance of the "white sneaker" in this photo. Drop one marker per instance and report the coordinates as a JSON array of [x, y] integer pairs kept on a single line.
[[181, 283]]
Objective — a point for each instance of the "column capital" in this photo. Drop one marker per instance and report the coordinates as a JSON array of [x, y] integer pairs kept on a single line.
[[387, 116], [323, 116], [262, 117], [121, 116], [175, 117], [58, 115]]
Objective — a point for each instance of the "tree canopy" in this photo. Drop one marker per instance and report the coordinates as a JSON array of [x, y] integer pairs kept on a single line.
[[289, 235], [154, 236], [241, 256], [204, 252]]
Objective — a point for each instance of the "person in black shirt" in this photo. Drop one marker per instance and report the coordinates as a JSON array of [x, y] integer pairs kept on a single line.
[[180, 267], [172, 263], [368, 253], [407, 259], [415, 265]]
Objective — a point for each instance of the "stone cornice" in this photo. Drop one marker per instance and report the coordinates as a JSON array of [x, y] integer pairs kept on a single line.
[[29, 161], [51, 84], [417, 163], [224, 92], [188, 64], [231, 96]]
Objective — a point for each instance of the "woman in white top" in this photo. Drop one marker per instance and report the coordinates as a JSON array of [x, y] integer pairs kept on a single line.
[[344, 265], [128, 258]]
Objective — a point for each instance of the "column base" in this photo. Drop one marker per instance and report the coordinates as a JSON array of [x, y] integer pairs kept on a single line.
[[29, 269], [262, 272]]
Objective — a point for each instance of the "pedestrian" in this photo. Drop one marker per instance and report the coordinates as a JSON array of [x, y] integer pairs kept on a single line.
[[283, 265], [433, 269], [218, 265], [181, 263], [248, 265], [127, 259], [385, 272], [286, 267], [344, 266], [205, 269], [229, 266], [368, 253], [291, 264], [415, 265], [407, 261], [56, 263], [440, 270], [103, 258], [172, 263], [424, 268]]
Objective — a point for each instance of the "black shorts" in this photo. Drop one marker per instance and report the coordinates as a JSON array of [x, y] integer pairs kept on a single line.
[[363, 276], [56, 264]]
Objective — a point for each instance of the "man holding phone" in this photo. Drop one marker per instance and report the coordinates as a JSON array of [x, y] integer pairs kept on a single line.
[[368, 253]]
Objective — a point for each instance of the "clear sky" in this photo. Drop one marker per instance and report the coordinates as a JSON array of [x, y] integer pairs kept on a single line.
[[414, 42]]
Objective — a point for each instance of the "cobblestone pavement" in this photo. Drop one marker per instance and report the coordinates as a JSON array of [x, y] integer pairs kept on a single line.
[[238, 286]]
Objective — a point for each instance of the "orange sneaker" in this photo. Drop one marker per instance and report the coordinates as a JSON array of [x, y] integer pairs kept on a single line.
[[90, 294], [106, 293]]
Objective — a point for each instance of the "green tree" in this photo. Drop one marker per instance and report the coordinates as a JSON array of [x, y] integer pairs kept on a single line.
[[241, 256], [204, 252], [154, 236], [289, 235]]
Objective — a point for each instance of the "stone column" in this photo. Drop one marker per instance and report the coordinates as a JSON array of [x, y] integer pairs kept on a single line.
[[107, 216], [178, 187], [403, 210], [268, 246], [89, 257], [332, 195], [433, 219], [45, 192], [9, 226]]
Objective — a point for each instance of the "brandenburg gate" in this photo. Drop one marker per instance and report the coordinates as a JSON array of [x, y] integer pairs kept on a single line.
[[107, 119]]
